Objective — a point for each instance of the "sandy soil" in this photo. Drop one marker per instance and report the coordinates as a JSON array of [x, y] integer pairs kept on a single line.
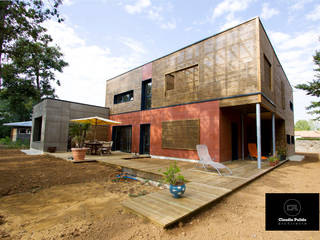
[[88, 207]]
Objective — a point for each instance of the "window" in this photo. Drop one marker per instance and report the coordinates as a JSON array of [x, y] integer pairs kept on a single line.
[[267, 72], [146, 94], [283, 96], [292, 139], [24, 131], [37, 129], [169, 81], [178, 80], [123, 97], [288, 139], [291, 106]]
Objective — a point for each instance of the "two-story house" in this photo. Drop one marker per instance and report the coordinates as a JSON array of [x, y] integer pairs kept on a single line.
[[224, 91]]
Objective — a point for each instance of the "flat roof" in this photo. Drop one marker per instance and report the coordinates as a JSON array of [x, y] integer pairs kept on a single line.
[[56, 99], [19, 124]]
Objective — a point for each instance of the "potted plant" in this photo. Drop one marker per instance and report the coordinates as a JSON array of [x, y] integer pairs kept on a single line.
[[175, 179], [78, 133], [282, 153], [273, 160]]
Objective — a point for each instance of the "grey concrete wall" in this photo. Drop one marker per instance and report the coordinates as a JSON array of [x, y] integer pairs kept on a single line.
[[308, 146], [56, 115]]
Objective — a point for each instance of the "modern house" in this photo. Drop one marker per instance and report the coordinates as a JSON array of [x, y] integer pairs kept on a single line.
[[224, 91], [20, 131], [50, 123]]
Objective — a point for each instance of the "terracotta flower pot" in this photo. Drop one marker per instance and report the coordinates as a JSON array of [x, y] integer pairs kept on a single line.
[[79, 153], [273, 163]]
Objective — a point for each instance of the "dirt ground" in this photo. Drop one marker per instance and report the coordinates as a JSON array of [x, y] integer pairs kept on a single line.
[[47, 198]]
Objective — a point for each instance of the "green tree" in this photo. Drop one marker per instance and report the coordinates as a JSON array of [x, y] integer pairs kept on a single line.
[[313, 88], [302, 125], [28, 57]]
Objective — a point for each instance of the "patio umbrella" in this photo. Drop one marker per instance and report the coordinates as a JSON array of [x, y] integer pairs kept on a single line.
[[96, 121]]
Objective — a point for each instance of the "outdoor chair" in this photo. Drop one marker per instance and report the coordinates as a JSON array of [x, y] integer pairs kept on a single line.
[[206, 160], [89, 151], [252, 147], [106, 147]]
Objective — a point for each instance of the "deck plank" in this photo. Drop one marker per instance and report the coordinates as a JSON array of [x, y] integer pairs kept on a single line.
[[203, 187]]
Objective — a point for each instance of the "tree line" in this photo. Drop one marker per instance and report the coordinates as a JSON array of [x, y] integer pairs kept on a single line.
[[28, 57]]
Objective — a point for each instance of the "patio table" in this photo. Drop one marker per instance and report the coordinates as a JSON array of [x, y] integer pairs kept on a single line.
[[94, 146]]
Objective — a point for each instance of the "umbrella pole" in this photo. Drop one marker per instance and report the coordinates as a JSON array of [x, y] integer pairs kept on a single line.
[[95, 131]]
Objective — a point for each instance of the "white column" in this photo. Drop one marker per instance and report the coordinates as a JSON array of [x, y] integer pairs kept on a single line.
[[242, 137], [273, 134], [258, 134]]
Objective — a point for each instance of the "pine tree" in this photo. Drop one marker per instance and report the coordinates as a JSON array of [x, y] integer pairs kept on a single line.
[[313, 87]]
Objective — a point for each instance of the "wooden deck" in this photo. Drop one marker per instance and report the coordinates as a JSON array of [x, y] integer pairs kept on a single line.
[[203, 188]]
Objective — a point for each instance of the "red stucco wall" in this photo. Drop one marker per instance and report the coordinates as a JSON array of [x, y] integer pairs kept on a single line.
[[207, 112], [147, 71]]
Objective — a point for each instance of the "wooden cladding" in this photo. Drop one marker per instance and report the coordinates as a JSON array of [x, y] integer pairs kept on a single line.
[[181, 134], [185, 79], [220, 66]]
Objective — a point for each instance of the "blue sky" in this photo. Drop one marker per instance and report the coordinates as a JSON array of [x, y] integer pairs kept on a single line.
[[103, 38]]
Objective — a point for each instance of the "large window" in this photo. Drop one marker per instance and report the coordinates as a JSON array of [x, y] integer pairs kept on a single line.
[[181, 78], [123, 97], [24, 131], [267, 72], [37, 129], [169, 81], [146, 94]]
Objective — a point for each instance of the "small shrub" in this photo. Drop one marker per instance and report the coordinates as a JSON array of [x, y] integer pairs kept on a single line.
[[273, 159], [172, 175], [18, 144]]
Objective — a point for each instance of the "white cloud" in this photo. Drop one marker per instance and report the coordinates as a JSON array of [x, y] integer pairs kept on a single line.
[[138, 6], [315, 14], [154, 13], [231, 21], [279, 37], [306, 40], [67, 2], [300, 4], [230, 6], [295, 52], [134, 45], [84, 80], [168, 25], [268, 12]]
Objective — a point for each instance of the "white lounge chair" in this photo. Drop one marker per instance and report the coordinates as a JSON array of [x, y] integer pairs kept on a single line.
[[206, 160]]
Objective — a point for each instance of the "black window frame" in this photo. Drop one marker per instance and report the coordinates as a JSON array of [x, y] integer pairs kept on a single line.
[[288, 139], [291, 105], [146, 99], [292, 140], [127, 96], [37, 129]]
